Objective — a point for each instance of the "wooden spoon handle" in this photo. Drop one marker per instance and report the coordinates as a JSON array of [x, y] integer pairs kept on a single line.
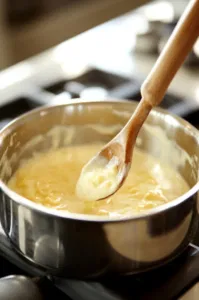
[[173, 55]]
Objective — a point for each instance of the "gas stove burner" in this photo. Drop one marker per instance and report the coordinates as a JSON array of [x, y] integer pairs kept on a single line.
[[74, 88], [84, 91], [92, 79], [61, 98], [94, 92]]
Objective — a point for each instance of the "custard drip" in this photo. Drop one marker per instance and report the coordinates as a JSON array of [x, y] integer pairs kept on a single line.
[[50, 179]]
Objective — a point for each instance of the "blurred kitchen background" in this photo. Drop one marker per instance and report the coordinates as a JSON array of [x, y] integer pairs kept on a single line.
[[55, 50], [28, 27]]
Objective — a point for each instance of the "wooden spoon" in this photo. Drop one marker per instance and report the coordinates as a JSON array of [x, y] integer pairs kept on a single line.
[[104, 174]]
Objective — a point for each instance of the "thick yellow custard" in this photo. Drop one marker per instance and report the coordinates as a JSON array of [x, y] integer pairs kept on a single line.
[[50, 179]]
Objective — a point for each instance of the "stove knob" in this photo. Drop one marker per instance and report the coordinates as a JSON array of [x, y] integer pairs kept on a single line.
[[18, 287]]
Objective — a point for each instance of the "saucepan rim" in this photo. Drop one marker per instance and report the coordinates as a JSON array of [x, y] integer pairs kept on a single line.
[[93, 218]]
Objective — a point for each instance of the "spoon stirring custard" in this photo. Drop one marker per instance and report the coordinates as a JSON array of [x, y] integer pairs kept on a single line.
[[105, 173]]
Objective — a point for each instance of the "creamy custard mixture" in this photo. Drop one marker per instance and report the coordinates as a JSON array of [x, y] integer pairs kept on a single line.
[[99, 179], [50, 179]]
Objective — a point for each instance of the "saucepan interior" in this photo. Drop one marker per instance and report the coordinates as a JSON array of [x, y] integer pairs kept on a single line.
[[167, 137]]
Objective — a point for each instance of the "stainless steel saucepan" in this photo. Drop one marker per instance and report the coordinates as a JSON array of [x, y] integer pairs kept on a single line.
[[81, 246]]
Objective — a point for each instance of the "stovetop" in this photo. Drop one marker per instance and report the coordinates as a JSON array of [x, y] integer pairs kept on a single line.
[[168, 282], [94, 83]]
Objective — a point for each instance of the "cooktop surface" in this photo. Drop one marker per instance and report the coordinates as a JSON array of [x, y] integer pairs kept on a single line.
[[168, 282]]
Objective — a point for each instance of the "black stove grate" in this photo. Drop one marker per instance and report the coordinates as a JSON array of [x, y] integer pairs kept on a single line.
[[15, 108], [93, 78]]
